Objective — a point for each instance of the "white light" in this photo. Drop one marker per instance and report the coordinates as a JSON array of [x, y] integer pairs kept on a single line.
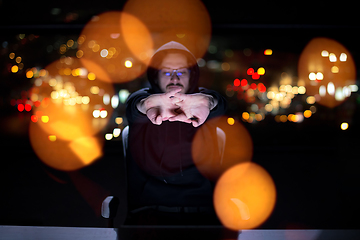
[[301, 90], [331, 88], [343, 57], [106, 99], [116, 132], [300, 117], [108, 136], [339, 95], [344, 126], [325, 53], [201, 62], [123, 94], [312, 76], [332, 57], [103, 113], [128, 64], [346, 91], [115, 101], [354, 88], [322, 90], [104, 53], [96, 113], [83, 72], [319, 76]]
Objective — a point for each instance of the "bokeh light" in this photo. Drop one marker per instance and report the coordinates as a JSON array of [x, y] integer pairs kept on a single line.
[[219, 144], [64, 115], [137, 38], [186, 22], [244, 196], [61, 154], [328, 70], [104, 50]]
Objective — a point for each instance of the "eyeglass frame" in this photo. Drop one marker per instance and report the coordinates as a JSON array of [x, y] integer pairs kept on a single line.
[[173, 71]]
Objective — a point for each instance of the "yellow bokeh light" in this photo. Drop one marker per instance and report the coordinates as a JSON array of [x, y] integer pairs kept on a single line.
[[91, 76], [128, 64], [244, 196], [29, 74], [52, 138], [261, 71], [119, 120], [268, 52], [94, 90], [14, 69], [12, 55], [18, 59], [231, 121], [45, 119], [307, 113], [344, 126], [245, 115]]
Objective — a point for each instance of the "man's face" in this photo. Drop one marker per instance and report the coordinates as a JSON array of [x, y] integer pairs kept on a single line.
[[173, 73]]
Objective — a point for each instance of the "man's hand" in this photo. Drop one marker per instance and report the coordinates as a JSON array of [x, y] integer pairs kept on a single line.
[[194, 108], [159, 107]]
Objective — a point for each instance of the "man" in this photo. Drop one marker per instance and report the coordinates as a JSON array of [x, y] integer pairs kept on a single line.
[[164, 185]]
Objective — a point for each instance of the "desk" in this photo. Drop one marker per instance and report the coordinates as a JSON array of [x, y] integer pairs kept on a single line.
[[81, 233]]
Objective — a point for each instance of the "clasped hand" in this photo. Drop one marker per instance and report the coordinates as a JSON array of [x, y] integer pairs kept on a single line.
[[175, 106]]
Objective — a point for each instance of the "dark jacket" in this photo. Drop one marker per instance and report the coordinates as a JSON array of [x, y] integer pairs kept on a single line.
[[161, 170]]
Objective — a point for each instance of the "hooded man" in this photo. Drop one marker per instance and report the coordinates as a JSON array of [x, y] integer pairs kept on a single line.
[[164, 185]]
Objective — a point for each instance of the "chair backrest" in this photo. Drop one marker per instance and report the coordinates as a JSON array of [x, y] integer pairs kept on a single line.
[[125, 139]]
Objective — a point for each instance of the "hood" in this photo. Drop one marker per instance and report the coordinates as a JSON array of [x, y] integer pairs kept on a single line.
[[156, 60]]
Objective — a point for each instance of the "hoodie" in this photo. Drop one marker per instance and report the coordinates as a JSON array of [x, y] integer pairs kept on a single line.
[[160, 168]]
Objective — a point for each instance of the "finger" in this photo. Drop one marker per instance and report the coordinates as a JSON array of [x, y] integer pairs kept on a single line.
[[181, 118], [158, 120], [173, 92], [181, 96], [195, 123]]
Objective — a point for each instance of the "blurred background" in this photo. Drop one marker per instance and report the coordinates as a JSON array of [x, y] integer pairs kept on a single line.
[[289, 71]]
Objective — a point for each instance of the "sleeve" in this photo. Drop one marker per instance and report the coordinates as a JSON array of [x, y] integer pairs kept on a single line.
[[132, 113], [221, 106]]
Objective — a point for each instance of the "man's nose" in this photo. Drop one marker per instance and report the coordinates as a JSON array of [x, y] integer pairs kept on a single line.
[[174, 77]]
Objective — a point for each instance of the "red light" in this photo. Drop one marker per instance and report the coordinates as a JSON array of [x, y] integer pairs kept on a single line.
[[250, 71], [244, 82], [34, 118], [255, 76], [20, 107], [261, 87], [37, 103], [13, 102], [253, 86], [27, 107], [236, 82]]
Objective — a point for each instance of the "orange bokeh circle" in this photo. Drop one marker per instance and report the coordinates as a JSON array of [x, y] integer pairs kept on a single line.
[[69, 99], [61, 154], [217, 146], [187, 22], [102, 42], [327, 69], [244, 196]]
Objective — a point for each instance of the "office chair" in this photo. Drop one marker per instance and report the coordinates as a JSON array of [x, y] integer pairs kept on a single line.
[[109, 206]]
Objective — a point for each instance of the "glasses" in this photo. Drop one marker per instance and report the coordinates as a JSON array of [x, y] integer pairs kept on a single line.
[[170, 73]]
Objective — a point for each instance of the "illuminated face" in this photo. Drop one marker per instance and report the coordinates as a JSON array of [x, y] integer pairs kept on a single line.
[[173, 73]]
